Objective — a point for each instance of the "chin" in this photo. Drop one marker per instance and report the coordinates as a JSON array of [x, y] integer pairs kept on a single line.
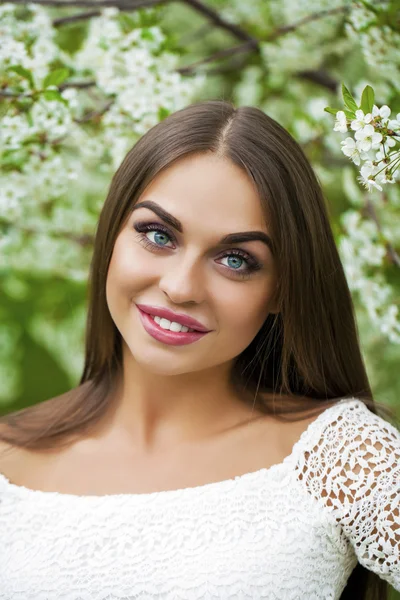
[[158, 362]]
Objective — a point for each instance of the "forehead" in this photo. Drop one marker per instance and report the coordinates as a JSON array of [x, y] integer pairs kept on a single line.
[[210, 189]]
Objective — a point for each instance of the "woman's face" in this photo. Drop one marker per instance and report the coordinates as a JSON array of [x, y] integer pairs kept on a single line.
[[227, 286]]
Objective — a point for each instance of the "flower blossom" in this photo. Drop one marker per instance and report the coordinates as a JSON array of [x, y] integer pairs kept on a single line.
[[368, 138], [361, 120], [351, 149], [367, 177], [394, 123], [383, 113], [341, 122]]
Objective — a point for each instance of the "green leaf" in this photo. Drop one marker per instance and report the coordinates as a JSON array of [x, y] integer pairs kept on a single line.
[[146, 34], [54, 95], [163, 113], [367, 99], [350, 114], [13, 159], [331, 111], [24, 73], [55, 77], [127, 22], [348, 99], [24, 102]]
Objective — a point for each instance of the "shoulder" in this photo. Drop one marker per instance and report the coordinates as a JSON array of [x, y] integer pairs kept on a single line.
[[8, 455], [359, 429], [350, 451], [353, 470], [351, 428], [354, 423]]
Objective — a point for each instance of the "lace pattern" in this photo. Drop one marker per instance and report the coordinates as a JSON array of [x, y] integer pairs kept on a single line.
[[293, 531], [354, 470]]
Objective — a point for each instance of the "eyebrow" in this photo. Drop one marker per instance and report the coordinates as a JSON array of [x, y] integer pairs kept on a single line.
[[231, 238]]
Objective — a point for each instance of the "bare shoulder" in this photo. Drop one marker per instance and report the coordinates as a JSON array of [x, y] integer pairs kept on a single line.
[[9, 454], [285, 431], [4, 445]]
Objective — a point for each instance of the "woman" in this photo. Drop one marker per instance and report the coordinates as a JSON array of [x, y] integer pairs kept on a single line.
[[218, 305]]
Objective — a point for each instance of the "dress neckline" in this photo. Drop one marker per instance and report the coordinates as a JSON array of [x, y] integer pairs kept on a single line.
[[23, 491]]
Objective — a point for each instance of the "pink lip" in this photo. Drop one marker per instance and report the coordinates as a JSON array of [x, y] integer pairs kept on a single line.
[[158, 311], [173, 338]]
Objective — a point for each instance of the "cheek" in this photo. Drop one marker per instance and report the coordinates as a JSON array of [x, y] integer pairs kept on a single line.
[[129, 270], [244, 310]]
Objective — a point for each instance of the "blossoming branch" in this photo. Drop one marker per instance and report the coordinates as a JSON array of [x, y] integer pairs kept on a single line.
[[375, 141]]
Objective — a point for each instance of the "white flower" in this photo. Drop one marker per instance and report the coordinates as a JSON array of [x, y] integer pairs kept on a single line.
[[361, 120], [380, 155], [368, 138], [366, 177], [383, 112], [371, 183], [367, 169], [389, 142], [350, 149], [341, 122], [394, 123]]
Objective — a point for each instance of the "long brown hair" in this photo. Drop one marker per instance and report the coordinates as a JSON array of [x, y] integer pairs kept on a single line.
[[307, 353]]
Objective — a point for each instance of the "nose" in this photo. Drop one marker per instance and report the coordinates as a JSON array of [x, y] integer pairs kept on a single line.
[[183, 280]]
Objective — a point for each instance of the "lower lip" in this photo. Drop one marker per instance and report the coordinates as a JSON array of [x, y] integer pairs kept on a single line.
[[173, 338]]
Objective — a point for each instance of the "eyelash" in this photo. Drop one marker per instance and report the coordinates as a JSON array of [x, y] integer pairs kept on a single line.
[[253, 264]]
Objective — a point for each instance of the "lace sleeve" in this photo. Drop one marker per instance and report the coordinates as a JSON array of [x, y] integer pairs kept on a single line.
[[354, 470]]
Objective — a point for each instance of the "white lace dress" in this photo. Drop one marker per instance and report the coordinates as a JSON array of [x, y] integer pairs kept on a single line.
[[294, 531]]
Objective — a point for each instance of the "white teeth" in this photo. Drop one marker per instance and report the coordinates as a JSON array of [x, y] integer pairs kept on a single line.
[[171, 325], [176, 327], [165, 324]]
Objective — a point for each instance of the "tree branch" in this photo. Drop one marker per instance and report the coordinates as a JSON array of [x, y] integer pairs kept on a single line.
[[95, 113], [308, 19], [82, 85], [218, 21], [250, 43], [126, 5], [319, 77], [226, 52], [84, 240], [72, 84], [8, 94], [122, 5], [75, 18]]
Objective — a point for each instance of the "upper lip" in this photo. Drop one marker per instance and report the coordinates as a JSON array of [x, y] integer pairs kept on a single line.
[[165, 313]]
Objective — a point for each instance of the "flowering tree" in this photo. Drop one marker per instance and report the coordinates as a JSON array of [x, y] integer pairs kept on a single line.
[[80, 82], [375, 144]]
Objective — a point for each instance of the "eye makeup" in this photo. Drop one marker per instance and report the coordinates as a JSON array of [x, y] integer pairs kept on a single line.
[[251, 263]]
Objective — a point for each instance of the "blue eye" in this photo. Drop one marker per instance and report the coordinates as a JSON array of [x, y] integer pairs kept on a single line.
[[235, 262], [236, 258], [160, 238], [239, 258], [161, 234]]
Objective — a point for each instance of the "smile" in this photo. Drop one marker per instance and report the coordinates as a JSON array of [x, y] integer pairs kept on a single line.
[[170, 325], [169, 332]]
